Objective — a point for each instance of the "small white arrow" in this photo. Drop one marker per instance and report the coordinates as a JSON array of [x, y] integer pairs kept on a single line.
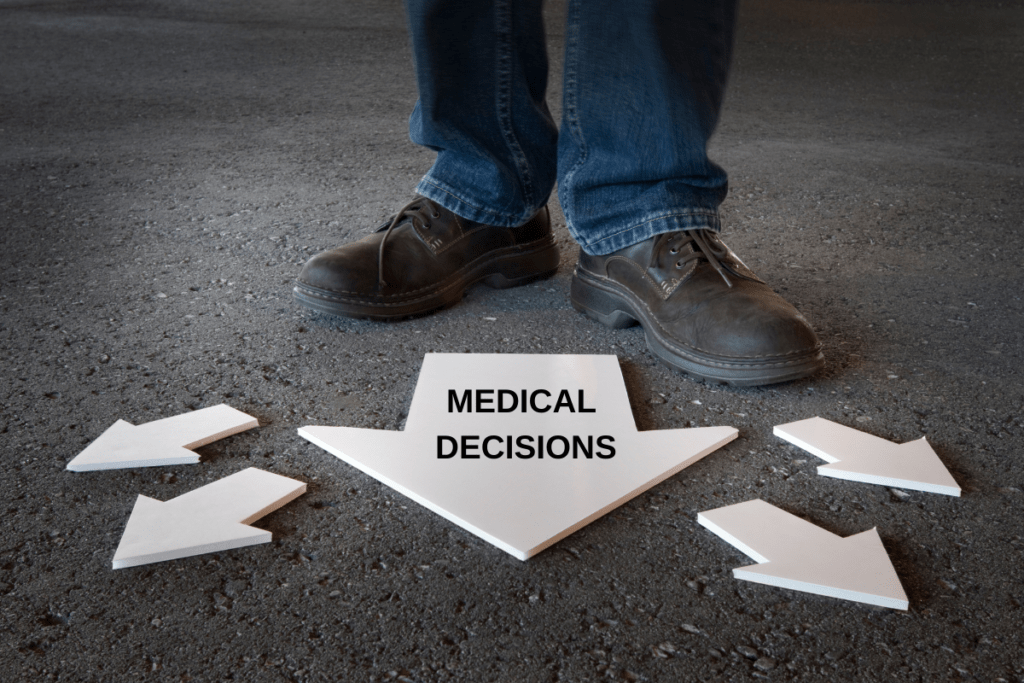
[[161, 442], [798, 555], [206, 520], [857, 456]]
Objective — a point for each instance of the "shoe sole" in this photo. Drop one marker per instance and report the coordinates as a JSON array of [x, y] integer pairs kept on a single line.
[[515, 267], [617, 308]]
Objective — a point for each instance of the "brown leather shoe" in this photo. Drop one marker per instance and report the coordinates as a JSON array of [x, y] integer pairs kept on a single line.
[[703, 311], [422, 259]]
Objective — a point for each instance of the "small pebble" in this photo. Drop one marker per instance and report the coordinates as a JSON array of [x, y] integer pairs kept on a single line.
[[747, 651], [764, 664], [663, 651]]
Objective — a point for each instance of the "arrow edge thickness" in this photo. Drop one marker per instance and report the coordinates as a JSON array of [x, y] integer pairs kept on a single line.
[[763, 573], [237, 533], [835, 468], [258, 537], [781, 432], [831, 470], [240, 535], [92, 457], [758, 573], [729, 538]]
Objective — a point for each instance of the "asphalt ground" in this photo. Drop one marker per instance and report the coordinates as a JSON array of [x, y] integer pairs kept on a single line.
[[166, 168]]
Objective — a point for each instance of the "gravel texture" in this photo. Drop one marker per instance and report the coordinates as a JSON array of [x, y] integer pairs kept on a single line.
[[166, 168]]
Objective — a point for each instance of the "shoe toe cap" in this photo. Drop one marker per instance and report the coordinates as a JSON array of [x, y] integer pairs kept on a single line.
[[340, 271], [755, 325]]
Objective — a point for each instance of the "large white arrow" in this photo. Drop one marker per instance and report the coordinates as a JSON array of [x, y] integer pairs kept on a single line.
[[161, 442], [209, 519], [798, 555], [519, 502], [857, 456]]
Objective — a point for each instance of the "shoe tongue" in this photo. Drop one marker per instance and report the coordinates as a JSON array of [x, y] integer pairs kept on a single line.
[[405, 216], [718, 250]]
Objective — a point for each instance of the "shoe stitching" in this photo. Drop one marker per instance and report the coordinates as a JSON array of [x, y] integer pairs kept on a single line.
[[441, 246], [667, 287], [503, 54]]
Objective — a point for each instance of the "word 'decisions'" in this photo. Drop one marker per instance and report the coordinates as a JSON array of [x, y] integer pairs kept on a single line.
[[523, 446]]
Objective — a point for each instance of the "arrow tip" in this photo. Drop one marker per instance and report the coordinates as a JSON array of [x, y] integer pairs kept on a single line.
[[913, 465], [121, 445], [159, 531], [856, 568]]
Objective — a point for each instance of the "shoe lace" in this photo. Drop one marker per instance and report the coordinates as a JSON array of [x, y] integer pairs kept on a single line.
[[416, 210], [706, 247]]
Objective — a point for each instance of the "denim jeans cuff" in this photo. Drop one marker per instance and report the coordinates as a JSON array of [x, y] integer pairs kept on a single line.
[[685, 219], [450, 199]]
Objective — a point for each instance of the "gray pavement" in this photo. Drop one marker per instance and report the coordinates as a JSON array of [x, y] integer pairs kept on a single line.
[[165, 169]]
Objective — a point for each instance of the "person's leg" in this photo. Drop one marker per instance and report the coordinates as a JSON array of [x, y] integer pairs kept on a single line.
[[481, 68], [643, 88]]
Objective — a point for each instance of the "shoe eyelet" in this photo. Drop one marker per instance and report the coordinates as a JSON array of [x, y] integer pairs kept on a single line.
[[679, 264], [435, 215], [673, 250]]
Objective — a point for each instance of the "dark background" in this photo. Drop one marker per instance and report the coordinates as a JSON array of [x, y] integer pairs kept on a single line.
[[165, 169]]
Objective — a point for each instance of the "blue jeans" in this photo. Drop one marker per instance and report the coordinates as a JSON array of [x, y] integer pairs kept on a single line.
[[643, 87]]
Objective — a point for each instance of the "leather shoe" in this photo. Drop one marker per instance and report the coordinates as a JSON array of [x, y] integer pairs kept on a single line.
[[703, 311], [423, 259]]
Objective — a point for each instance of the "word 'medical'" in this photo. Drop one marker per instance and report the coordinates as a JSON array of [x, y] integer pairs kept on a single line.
[[508, 400]]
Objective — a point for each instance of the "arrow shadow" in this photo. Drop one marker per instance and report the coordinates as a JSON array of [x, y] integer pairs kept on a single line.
[[907, 570], [632, 378], [957, 467], [212, 452], [232, 447]]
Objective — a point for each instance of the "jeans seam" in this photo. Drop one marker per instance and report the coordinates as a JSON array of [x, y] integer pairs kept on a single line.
[[570, 96], [503, 94]]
